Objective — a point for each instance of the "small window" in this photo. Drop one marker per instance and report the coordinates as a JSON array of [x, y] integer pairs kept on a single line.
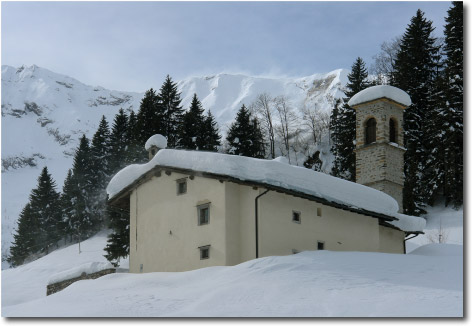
[[203, 214], [296, 217], [393, 131], [295, 251], [140, 268], [204, 252], [318, 211], [320, 245], [370, 131], [181, 186]]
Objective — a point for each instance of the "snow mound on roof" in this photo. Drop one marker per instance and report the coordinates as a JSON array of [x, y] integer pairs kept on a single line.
[[268, 172], [376, 92], [157, 140], [409, 223]]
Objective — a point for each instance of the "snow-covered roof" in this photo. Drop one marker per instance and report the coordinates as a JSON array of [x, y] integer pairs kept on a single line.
[[275, 173], [380, 91], [157, 140]]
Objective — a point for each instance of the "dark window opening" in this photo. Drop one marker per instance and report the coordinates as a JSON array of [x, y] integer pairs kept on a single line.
[[393, 131], [370, 131], [318, 211], [320, 245], [296, 217], [204, 252], [203, 214], [181, 186]]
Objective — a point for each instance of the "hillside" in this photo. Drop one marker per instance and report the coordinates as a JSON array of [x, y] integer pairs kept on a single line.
[[45, 113], [426, 282]]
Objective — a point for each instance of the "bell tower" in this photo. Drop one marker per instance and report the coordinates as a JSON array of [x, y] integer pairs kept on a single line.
[[379, 139]]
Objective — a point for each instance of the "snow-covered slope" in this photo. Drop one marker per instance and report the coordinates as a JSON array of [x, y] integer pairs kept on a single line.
[[426, 283], [45, 113]]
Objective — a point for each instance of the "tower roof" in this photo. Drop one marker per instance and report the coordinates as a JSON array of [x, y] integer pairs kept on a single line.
[[381, 91]]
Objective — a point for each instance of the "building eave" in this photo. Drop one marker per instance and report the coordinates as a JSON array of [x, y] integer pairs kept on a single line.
[[117, 200]]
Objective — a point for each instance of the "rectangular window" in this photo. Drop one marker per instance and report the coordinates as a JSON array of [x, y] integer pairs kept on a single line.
[[204, 252], [203, 214], [318, 211], [320, 245], [296, 217], [181, 186]]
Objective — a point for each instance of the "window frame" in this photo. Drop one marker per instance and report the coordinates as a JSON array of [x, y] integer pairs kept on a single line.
[[299, 217], [202, 250], [199, 209], [180, 182]]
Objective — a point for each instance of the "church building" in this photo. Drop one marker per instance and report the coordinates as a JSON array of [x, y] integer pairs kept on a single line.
[[192, 209]]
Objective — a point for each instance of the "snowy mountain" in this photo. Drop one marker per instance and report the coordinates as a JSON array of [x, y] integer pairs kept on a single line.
[[45, 113]]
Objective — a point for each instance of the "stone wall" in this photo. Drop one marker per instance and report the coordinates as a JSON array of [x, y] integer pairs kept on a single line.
[[380, 164], [59, 286]]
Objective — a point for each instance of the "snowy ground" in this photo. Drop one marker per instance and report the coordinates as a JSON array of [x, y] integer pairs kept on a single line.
[[427, 282]]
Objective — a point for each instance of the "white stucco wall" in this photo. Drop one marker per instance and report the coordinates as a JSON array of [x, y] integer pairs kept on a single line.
[[168, 234]]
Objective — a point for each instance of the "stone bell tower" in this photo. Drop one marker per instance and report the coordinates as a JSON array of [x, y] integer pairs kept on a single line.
[[379, 139]]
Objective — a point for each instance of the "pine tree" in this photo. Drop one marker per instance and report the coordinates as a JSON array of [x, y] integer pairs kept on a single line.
[[136, 152], [83, 223], [454, 153], [444, 141], [118, 242], [211, 137], [244, 135], [192, 128], [344, 126], [414, 71], [44, 202], [24, 241], [100, 171], [150, 117], [118, 142], [169, 105], [68, 207]]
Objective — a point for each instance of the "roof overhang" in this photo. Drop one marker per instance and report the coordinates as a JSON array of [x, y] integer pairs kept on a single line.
[[123, 195]]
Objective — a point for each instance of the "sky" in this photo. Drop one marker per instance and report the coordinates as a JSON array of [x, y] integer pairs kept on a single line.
[[132, 46]]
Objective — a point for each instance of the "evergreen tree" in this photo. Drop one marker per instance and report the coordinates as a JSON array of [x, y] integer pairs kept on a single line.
[[314, 162], [44, 203], [169, 105], [454, 153], [344, 125], [83, 223], [444, 141], [118, 242], [150, 117], [414, 71], [118, 142], [192, 127], [24, 243], [244, 135], [136, 152], [100, 171], [68, 207], [211, 138]]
